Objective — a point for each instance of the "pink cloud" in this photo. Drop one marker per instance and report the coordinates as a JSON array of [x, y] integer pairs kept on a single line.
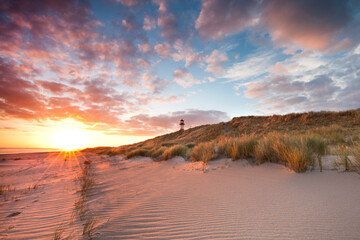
[[312, 24], [57, 88], [163, 49], [128, 2], [130, 23], [149, 23], [171, 98], [216, 62], [168, 25], [162, 4], [222, 18], [145, 48], [184, 78], [139, 124], [156, 84], [19, 98]]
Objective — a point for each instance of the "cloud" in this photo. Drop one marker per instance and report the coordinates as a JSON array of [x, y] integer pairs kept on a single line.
[[168, 25], [145, 48], [18, 97], [7, 128], [162, 5], [163, 49], [153, 82], [216, 62], [128, 2], [184, 78], [171, 98], [144, 124], [309, 83], [329, 26], [166, 21], [57, 88], [130, 23], [149, 23], [187, 54], [252, 67], [311, 24], [222, 18]]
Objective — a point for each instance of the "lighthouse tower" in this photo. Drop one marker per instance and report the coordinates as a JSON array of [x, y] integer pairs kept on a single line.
[[182, 124]]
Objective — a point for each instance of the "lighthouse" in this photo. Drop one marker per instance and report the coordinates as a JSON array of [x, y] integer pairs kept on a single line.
[[182, 124]]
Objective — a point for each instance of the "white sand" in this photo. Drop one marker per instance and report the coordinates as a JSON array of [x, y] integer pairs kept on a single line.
[[140, 199]]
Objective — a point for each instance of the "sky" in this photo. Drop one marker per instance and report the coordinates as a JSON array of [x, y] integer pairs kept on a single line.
[[113, 72]]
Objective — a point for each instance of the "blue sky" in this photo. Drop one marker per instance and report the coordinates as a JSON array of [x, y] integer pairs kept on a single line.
[[120, 66]]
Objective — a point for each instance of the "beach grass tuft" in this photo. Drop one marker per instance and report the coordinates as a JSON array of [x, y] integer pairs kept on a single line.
[[344, 152], [176, 150], [137, 152], [318, 147], [89, 227], [203, 152], [241, 147]]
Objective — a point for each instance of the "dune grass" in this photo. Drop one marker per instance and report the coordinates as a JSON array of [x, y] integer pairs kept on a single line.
[[356, 154], [242, 147], [318, 147], [6, 188], [299, 152], [203, 152], [265, 152], [344, 152], [334, 134], [137, 152], [156, 152], [89, 227], [176, 150]]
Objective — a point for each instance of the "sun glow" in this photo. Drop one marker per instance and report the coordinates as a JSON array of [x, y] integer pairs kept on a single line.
[[70, 138]]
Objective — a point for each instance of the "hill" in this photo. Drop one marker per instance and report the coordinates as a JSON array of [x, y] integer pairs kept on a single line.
[[244, 136]]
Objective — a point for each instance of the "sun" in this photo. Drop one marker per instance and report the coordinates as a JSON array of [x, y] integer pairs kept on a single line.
[[70, 138]]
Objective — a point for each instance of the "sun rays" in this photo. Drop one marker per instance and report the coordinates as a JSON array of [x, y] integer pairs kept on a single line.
[[69, 161]]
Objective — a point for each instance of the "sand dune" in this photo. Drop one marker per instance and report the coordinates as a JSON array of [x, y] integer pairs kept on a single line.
[[141, 199]]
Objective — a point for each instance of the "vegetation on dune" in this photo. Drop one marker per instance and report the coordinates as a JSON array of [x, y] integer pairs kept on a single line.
[[356, 154], [137, 152], [298, 140], [203, 152], [176, 150], [242, 147]]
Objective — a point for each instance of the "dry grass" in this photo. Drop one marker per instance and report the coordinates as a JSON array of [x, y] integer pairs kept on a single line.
[[334, 134], [86, 181], [356, 154], [344, 152], [265, 152], [157, 152], [318, 147], [89, 227], [58, 234], [176, 150], [80, 207], [6, 188], [137, 152], [203, 152], [242, 147], [296, 151]]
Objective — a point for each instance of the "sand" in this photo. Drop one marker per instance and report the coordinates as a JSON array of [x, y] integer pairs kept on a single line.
[[176, 199]]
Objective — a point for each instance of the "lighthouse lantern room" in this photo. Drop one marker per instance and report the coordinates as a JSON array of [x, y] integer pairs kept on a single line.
[[182, 124]]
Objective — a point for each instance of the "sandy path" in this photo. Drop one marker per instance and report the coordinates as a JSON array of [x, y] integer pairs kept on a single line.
[[141, 199]]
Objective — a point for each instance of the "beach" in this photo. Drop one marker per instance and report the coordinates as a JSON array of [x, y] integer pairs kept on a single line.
[[116, 198]]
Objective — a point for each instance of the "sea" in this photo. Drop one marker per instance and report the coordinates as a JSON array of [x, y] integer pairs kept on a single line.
[[27, 150]]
